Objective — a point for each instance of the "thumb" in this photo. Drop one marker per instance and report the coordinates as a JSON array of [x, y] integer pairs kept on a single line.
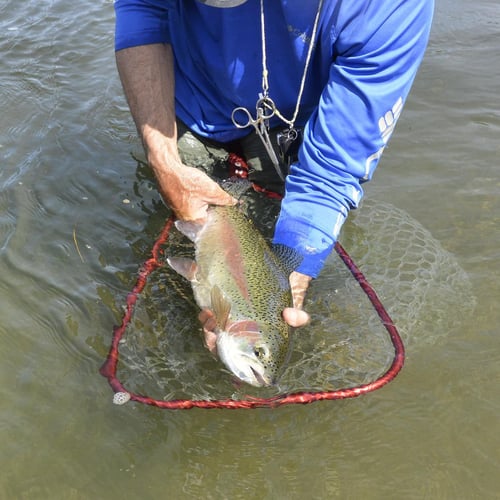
[[295, 317]]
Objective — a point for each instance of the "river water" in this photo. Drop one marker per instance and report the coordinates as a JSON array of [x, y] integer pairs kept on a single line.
[[79, 214]]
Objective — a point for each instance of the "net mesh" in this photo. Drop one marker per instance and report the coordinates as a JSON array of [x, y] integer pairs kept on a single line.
[[421, 285]]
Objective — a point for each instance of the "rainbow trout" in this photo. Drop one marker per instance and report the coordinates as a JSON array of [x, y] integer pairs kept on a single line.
[[245, 284]]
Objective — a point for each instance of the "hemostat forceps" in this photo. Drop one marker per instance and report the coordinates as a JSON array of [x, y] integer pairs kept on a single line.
[[265, 109]]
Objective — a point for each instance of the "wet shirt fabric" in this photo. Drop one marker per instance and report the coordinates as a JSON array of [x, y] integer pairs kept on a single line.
[[366, 56]]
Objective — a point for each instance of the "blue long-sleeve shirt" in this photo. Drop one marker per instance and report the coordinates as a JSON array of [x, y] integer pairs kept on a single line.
[[366, 56]]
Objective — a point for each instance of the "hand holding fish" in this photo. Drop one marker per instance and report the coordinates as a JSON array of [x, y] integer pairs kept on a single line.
[[209, 323], [189, 192], [295, 316], [248, 295]]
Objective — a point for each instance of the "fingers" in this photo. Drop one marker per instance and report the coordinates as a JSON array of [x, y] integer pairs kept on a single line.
[[208, 322], [207, 319], [299, 284], [295, 316], [189, 192], [217, 196]]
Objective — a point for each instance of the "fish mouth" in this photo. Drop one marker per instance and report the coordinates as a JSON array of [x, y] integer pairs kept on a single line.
[[261, 381], [240, 359], [249, 374]]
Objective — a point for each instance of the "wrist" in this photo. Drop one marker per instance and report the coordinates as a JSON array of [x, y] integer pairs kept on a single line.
[[161, 151]]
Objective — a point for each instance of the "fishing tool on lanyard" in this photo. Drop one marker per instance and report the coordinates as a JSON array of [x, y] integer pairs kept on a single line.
[[122, 395], [290, 138], [265, 109]]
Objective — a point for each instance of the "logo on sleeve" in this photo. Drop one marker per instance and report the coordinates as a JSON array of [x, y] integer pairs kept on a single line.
[[386, 124], [388, 121]]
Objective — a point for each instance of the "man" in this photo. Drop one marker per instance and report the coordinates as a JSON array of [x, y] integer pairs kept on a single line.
[[331, 74]]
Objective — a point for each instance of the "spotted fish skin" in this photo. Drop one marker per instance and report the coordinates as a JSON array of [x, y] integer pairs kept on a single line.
[[237, 276]]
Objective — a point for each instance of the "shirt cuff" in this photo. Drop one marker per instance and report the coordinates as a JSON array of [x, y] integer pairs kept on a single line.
[[312, 243]]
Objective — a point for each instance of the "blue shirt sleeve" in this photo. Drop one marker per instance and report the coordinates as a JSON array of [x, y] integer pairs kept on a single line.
[[140, 22], [378, 47]]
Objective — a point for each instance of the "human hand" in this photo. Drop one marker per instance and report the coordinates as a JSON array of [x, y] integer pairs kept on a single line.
[[189, 192], [209, 324], [295, 316]]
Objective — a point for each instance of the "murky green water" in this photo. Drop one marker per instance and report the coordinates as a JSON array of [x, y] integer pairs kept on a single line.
[[78, 217]]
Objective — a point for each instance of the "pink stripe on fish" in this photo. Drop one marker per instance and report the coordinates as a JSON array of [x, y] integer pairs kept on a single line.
[[234, 258]]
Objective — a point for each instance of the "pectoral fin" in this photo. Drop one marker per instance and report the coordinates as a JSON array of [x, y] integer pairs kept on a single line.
[[189, 229], [185, 267], [220, 306]]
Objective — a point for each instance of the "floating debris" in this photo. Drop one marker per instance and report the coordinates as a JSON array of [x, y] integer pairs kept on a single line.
[[120, 398]]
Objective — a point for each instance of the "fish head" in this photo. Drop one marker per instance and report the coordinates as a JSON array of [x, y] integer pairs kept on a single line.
[[243, 350]]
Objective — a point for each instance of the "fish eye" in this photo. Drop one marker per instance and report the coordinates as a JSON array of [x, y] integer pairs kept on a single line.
[[260, 352]]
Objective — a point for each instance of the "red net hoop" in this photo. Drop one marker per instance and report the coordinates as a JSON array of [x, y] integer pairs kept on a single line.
[[122, 395]]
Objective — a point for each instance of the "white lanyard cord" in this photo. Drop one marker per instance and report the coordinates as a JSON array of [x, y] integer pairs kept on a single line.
[[265, 72]]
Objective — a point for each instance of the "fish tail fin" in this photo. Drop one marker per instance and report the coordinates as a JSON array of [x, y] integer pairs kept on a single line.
[[236, 186]]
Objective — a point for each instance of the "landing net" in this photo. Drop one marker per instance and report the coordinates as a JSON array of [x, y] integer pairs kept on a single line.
[[123, 395]]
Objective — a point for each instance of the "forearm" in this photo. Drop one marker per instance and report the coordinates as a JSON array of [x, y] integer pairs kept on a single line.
[[147, 76], [369, 81]]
